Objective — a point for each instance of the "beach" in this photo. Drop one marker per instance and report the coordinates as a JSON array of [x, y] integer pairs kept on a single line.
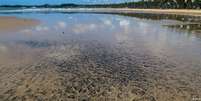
[[162, 11], [100, 54], [190, 12]]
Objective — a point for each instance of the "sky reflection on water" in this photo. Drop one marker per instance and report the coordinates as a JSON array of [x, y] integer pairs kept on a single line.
[[131, 32], [99, 55]]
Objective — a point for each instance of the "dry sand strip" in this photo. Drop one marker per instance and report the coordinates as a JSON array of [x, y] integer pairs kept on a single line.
[[189, 12], [8, 23], [169, 11]]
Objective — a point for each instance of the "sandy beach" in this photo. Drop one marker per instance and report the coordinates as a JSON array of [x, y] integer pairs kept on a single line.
[[190, 12], [164, 11]]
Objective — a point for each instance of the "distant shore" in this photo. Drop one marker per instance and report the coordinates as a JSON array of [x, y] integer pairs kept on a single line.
[[166, 11], [190, 12]]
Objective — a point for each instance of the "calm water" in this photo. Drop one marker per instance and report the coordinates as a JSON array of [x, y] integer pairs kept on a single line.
[[89, 56]]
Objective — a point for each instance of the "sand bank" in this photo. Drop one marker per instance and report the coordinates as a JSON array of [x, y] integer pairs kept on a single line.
[[131, 10], [13, 23], [165, 11]]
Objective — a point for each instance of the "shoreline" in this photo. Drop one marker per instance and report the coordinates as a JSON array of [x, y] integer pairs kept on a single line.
[[189, 12]]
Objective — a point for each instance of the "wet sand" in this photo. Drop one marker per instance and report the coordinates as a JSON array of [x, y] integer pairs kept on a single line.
[[79, 58], [90, 71], [9, 23]]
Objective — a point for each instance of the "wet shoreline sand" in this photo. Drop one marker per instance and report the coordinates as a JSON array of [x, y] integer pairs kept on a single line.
[[11, 23]]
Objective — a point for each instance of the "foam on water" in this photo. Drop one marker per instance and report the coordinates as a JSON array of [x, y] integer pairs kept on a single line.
[[44, 10]]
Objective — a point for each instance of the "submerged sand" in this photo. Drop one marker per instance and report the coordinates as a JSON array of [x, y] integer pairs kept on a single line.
[[8, 23], [81, 70]]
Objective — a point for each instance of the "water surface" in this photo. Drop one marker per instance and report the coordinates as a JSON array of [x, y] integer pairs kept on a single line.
[[91, 56]]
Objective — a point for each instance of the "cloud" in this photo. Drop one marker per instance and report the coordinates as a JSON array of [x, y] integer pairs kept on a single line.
[[41, 28], [82, 28], [124, 23], [107, 22], [61, 24]]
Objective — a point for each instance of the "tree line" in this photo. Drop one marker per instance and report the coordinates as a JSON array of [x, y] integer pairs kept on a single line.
[[158, 4], [173, 4]]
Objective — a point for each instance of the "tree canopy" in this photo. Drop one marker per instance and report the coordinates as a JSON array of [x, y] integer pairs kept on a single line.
[[159, 4]]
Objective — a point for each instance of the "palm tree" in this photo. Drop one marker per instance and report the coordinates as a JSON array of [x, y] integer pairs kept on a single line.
[[197, 4], [189, 3], [182, 4]]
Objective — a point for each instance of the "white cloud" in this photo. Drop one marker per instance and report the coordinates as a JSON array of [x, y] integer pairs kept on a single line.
[[61, 24], [82, 28], [107, 22], [124, 23], [41, 28]]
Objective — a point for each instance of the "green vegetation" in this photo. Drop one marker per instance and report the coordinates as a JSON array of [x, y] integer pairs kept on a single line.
[[170, 4], [159, 4]]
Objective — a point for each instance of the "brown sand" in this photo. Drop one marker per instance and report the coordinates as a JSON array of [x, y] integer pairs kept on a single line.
[[13, 23], [190, 12], [167, 11]]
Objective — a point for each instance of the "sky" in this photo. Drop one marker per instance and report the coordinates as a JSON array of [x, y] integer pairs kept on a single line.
[[32, 2]]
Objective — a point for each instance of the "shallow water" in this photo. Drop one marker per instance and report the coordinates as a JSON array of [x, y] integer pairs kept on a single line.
[[88, 56]]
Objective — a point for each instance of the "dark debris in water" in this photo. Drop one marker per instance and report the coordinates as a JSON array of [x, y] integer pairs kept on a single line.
[[190, 27], [183, 18], [99, 72], [36, 44]]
